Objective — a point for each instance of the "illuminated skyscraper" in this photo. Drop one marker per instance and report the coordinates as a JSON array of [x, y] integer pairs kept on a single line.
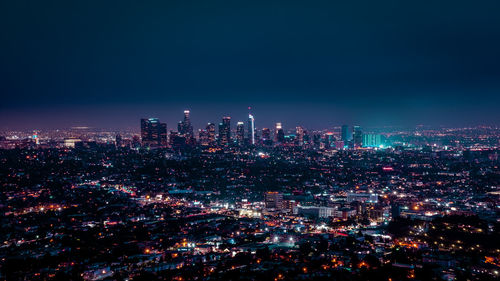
[[240, 133], [251, 129], [153, 133], [357, 136], [299, 135], [225, 131], [346, 133], [211, 133], [266, 137], [203, 137], [266, 134], [280, 134], [185, 127], [329, 140]]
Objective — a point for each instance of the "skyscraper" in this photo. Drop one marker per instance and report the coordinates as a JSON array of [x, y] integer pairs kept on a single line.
[[240, 133], [211, 133], [251, 129], [153, 133], [357, 136], [203, 137], [266, 134], [346, 133], [225, 131], [185, 127], [266, 137], [329, 140], [299, 133], [280, 134]]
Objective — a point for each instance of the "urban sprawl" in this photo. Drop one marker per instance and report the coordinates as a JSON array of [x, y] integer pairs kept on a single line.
[[242, 202]]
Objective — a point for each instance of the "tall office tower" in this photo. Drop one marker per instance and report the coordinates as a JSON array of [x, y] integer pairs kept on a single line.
[[357, 136], [185, 127], [225, 131], [251, 129], [274, 200], [203, 137], [211, 133], [280, 134], [153, 133], [346, 133], [266, 137], [240, 133], [329, 140], [118, 140], [299, 136], [266, 134]]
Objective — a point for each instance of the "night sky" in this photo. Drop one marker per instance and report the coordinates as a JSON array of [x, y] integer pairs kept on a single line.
[[314, 63]]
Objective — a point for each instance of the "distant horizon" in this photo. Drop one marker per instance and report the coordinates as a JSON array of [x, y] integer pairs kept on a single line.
[[199, 124]]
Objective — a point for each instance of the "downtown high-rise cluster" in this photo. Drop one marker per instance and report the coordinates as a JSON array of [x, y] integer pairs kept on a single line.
[[154, 134]]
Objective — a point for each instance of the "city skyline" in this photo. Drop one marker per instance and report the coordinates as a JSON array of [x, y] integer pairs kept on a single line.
[[323, 122]]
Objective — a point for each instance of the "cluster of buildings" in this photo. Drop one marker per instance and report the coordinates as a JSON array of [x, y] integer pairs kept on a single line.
[[154, 134], [84, 204]]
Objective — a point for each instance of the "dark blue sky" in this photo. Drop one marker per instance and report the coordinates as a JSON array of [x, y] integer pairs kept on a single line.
[[315, 63]]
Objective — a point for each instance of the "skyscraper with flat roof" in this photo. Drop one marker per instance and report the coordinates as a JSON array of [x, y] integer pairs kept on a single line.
[[185, 127], [346, 134], [225, 131], [211, 133], [240, 133], [251, 129], [299, 135], [266, 137], [357, 136], [203, 137], [153, 132], [280, 134]]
